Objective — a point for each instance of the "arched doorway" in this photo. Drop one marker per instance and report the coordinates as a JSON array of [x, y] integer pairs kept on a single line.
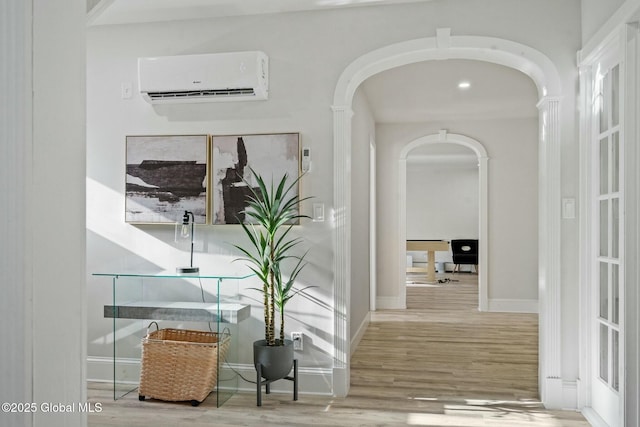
[[481, 153], [444, 46]]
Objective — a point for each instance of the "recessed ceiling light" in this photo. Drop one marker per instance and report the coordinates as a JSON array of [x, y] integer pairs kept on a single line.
[[464, 85]]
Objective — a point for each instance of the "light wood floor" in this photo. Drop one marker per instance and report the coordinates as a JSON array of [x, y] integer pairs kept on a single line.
[[438, 363]]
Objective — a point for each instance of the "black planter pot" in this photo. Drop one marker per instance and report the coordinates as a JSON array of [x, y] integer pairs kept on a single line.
[[276, 361]]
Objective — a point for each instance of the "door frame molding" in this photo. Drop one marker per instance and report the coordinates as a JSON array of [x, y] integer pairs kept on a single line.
[[443, 137], [543, 72], [625, 38], [373, 223]]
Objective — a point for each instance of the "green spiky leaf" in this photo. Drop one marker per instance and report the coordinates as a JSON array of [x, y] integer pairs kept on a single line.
[[271, 210]]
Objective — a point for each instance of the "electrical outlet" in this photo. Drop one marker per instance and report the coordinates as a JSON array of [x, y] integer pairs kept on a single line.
[[296, 337]]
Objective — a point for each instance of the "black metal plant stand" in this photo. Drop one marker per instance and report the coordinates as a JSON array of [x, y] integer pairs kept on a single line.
[[266, 383]]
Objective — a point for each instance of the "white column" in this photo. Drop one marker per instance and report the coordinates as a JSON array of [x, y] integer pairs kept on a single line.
[[585, 218], [549, 208], [342, 256], [15, 333], [56, 209]]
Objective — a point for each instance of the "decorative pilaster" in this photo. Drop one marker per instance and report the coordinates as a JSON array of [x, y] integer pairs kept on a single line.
[[342, 255], [585, 278], [550, 252]]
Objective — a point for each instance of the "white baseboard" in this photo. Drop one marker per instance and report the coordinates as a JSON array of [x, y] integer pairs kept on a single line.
[[310, 380], [100, 369], [552, 393], [390, 303], [341, 380], [357, 337], [513, 305], [570, 395], [593, 418]]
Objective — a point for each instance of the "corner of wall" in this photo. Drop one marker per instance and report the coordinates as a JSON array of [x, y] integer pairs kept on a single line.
[[357, 337]]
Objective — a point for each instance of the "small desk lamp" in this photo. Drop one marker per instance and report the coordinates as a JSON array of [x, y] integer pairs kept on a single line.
[[186, 231]]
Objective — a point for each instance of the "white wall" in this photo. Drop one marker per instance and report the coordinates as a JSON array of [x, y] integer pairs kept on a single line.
[[308, 52], [14, 138], [43, 174], [296, 104], [442, 203], [513, 176], [595, 13], [363, 130]]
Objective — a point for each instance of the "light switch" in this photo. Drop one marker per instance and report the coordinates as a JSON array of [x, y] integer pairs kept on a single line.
[[318, 212], [568, 208]]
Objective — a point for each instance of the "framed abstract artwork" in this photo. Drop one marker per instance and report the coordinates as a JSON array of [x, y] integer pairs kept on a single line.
[[270, 155], [165, 176]]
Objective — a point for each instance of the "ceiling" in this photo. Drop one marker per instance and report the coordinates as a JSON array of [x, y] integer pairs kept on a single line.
[[426, 91]]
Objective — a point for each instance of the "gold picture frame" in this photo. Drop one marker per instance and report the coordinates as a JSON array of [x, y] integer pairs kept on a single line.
[[165, 176], [270, 155]]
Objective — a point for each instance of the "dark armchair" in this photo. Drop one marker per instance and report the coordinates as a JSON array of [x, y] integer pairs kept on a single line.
[[465, 251]]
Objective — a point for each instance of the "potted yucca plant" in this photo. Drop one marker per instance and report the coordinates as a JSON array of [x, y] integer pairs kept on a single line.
[[269, 217]]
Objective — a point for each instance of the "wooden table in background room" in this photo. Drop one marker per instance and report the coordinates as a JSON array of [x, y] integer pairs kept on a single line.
[[430, 247]]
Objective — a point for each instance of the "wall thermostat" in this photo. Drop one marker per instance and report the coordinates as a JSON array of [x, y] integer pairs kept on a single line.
[[306, 159]]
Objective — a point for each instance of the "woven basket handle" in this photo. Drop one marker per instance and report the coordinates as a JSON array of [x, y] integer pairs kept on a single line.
[[152, 323], [226, 332]]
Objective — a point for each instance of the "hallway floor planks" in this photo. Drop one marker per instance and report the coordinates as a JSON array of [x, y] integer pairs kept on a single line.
[[438, 363]]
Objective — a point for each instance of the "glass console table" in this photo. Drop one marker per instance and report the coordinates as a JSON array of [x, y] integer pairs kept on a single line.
[[139, 299]]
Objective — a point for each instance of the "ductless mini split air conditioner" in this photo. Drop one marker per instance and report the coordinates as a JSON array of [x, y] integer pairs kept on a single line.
[[234, 76]]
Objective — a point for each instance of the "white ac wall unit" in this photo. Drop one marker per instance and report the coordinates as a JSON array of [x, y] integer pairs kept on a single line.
[[234, 76]]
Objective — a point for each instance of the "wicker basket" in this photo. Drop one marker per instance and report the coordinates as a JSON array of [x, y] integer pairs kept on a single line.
[[181, 364]]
